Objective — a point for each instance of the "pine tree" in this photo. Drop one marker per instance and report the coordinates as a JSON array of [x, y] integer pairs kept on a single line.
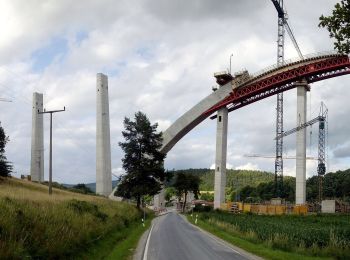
[[142, 162], [5, 166]]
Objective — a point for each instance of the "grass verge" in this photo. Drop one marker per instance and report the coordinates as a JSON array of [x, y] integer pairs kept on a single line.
[[126, 248], [120, 244], [64, 225], [254, 248]]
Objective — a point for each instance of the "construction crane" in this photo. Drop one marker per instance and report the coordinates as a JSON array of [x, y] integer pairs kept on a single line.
[[284, 19], [322, 132], [282, 24]]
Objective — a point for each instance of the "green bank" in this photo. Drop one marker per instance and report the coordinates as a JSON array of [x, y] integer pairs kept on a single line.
[[65, 225]]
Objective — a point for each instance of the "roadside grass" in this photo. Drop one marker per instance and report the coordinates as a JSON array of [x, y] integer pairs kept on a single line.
[[255, 248], [126, 248], [325, 236], [64, 225]]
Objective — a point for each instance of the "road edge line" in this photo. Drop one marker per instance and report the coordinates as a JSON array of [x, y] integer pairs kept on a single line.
[[145, 252]]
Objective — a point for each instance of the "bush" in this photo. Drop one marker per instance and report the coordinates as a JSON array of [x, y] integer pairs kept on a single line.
[[201, 208]]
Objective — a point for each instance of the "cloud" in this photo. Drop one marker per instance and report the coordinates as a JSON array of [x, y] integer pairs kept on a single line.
[[343, 151], [248, 166], [160, 57]]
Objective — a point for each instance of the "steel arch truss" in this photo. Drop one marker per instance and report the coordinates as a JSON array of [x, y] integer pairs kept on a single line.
[[284, 79]]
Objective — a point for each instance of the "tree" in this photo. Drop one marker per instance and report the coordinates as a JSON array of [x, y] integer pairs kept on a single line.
[[5, 166], [207, 196], [83, 188], [184, 183], [338, 25], [142, 162], [169, 193]]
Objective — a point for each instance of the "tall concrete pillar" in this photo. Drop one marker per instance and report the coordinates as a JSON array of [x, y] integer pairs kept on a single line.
[[37, 148], [300, 189], [159, 200], [103, 143], [220, 160]]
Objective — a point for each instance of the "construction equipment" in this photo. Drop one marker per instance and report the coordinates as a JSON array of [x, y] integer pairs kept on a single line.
[[282, 24], [322, 132]]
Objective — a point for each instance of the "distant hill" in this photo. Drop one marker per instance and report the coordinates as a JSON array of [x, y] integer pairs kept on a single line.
[[91, 186], [235, 178]]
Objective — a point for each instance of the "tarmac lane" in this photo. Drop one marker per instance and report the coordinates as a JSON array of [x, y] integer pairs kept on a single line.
[[174, 238]]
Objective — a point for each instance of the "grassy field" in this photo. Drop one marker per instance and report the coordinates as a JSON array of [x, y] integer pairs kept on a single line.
[[64, 225], [322, 236]]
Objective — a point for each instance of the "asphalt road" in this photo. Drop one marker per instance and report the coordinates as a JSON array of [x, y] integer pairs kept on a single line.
[[173, 238]]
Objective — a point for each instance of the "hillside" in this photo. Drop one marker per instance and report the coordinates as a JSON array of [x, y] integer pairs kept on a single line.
[[235, 178], [36, 225], [92, 185]]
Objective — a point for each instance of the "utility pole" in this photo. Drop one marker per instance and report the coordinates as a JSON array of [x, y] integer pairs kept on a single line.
[[50, 163], [230, 63]]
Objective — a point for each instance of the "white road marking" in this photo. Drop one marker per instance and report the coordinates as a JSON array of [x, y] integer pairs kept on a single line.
[[147, 244]]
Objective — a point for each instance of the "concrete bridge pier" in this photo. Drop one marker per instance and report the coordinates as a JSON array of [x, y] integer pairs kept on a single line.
[[37, 148], [300, 189], [103, 143], [220, 160]]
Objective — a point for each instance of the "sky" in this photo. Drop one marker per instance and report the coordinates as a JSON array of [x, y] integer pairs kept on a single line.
[[160, 57]]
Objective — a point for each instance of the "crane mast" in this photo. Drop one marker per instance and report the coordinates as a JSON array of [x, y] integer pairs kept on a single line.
[[282, 25], [279, 109]]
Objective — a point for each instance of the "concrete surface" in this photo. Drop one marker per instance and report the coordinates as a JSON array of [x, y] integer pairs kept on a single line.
[[192, 118], [37, 147], [220, 158], [300, 188], [103, 143], [159, 200], [328, 206]]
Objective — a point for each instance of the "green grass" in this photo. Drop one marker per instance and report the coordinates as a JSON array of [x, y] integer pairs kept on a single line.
[[127, 247], [254, 248], [309, 236], [120, 244], [36, 225]]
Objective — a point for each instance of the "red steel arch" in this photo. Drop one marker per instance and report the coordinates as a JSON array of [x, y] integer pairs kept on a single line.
[[283, 78]]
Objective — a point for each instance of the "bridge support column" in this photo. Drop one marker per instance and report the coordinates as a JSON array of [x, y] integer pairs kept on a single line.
[[300, 189], [103, 144], [37, 150], [220, 160]]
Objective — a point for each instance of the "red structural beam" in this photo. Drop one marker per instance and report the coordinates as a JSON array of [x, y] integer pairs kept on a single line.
[[279, 82]]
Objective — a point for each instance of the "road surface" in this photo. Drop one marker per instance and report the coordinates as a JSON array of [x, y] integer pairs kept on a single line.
[[172, 238]]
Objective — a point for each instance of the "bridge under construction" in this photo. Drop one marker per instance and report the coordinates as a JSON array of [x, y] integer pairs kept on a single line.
[[242, 89]]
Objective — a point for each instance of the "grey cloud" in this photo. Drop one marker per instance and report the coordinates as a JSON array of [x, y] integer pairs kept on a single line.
[[177, 75], [199, 10], [343, 151]]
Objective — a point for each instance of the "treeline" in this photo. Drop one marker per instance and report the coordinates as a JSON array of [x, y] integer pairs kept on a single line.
[[335, 185], [258, 186], [235, 178]]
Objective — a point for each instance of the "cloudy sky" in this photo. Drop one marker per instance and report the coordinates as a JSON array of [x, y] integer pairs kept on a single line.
[[160, 57]]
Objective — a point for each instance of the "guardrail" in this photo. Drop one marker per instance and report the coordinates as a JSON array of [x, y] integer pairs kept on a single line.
[[293, 60]]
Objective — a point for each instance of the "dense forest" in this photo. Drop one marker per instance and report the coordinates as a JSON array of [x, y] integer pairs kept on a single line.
[[257, 186]]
